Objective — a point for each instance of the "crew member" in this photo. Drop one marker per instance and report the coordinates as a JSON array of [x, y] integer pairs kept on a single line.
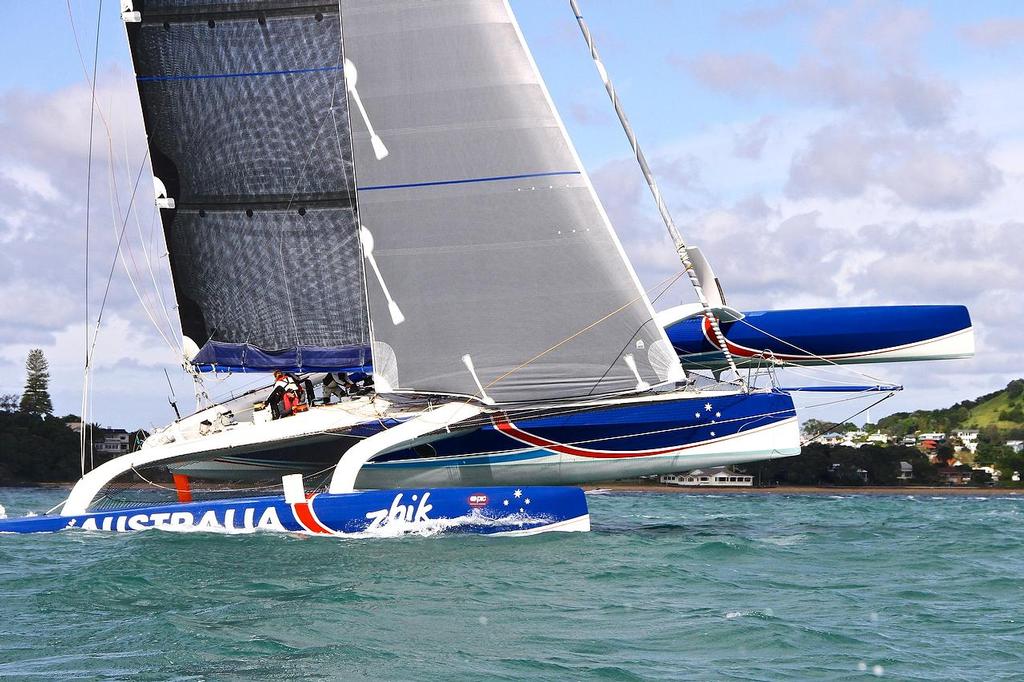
[[339, 384], [285, 396]]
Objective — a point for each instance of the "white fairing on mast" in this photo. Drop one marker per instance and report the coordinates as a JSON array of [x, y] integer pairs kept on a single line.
[[162, 200], [189, 348]]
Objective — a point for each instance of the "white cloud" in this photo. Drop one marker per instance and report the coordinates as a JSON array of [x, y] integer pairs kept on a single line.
[[857, 57], [994, 33], [932, 170]]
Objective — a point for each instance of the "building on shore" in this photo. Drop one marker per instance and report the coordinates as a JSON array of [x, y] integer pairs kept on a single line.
[[833, 438], [906, 471], [968, 439], [109, 443], [719, 477], [955, 475]]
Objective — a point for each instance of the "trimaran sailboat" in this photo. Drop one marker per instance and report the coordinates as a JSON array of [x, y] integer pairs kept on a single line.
[[389, 184]]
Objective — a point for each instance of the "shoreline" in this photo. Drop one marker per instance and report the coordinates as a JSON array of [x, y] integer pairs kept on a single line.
[[802, 490], [615, 487]]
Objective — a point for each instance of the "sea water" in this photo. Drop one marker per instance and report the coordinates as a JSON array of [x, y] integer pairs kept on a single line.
[[667, 586]]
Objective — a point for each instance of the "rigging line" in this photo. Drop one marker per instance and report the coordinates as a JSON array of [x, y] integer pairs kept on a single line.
[[622, 350], [145, 253], [802, 350], [832, 426], [795, 369], [666, 216], [88, 196], [573, 336], [106, 125], [116, 210], [113, 262], [115, 200]]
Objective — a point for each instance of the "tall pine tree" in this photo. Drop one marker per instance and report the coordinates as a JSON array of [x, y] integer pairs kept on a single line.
[[36, 398]]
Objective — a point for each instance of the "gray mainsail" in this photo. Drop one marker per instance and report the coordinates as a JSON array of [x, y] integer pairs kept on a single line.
[[245, 108], [496, 270]]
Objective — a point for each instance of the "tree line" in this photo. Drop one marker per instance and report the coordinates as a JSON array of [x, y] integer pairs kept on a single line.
[[35, 445]]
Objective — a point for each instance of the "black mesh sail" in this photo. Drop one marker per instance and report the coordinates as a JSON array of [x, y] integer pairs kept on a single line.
[[245, 107]]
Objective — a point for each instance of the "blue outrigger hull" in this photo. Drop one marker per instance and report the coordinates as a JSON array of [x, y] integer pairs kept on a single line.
[[851, 335], [484, 511]]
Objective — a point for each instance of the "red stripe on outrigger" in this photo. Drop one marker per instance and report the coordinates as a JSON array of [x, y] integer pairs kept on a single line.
[[511, 430], [304, 515]]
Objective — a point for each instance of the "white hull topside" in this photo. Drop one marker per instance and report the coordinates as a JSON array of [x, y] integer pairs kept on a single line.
[[249, 451]]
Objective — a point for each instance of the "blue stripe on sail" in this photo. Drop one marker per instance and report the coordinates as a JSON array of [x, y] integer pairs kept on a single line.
[[207, 76], [465, 181]]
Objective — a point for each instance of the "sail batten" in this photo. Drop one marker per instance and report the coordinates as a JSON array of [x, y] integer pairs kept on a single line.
[[246, 112], [487, 233]]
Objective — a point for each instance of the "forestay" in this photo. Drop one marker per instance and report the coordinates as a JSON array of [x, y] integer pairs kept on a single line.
[[494, 255], [245, 108]]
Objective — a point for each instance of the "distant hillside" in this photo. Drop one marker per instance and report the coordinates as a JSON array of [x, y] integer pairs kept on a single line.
[[1002, 410]]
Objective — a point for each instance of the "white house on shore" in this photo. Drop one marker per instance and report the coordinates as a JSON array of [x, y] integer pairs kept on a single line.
[[906, 471], [833, 438], [719, 477]]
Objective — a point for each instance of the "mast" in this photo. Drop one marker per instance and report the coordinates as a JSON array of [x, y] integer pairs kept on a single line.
[[670, 225]]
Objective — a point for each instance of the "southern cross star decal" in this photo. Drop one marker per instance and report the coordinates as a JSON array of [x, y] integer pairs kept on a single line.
[[518, 493], [707, 407]]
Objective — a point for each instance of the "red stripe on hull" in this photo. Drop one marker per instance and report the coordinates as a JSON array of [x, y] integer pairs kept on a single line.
[[510, 430], [304, 515]]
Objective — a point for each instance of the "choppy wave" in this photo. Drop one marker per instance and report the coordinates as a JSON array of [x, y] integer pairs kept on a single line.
[[667, 587]]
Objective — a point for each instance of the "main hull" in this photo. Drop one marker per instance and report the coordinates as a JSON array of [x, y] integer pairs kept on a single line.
[[557, 446]]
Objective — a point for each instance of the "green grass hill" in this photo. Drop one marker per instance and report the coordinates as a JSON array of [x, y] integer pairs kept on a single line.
[[1002, 410]]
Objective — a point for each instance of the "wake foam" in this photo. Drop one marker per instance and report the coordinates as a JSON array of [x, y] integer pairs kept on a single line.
[[519, 521], [435, 527]]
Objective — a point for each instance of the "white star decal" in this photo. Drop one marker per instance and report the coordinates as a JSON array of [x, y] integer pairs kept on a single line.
[[707, 407], [505, 503], [527, 500], [696, 415], [718, 414], [518, 493], [712, 434]]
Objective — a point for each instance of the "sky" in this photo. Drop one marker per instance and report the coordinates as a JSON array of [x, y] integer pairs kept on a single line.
[[820, 154]]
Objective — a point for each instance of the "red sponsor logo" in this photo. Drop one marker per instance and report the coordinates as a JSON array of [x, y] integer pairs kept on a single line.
[[477, 500]]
